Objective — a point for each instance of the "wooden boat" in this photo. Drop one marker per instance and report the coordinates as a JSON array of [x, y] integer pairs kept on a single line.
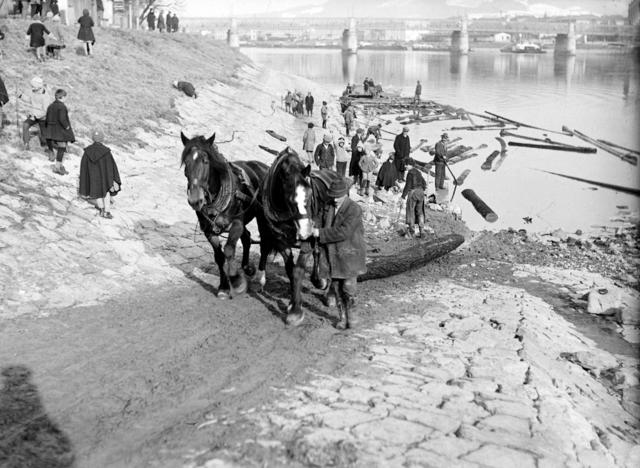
[[524, 48]]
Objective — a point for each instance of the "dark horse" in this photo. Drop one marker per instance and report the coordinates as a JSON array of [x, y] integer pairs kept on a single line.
[[225, 197], [294, 198]]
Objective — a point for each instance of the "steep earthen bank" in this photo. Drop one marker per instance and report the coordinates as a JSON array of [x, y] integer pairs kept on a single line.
[[455, 363]]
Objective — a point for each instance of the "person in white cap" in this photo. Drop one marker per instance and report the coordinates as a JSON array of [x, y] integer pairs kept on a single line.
[[342, 157], [35, 103], [99, 176], [325, 156]]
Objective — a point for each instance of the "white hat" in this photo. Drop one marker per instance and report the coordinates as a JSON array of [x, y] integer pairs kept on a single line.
[[56, 18], [36, 82]]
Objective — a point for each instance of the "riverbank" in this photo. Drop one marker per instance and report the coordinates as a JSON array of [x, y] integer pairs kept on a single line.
[[466, 361]]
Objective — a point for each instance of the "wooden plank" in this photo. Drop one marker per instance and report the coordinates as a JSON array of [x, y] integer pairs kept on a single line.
[[617, 188], [520, 124], [574, 149], [418, 255]]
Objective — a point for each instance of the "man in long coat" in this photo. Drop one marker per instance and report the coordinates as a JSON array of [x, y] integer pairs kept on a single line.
[[325, 156], [440, 160], [342, 244], [58, 130], [402, 148], [151, 20], [309, 142], [414, 194]]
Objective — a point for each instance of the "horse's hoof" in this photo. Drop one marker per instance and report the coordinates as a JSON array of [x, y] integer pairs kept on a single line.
[[240, 289], [320, 283], [224, 295], [249, 269], [295, 319], [330, 300], [262, 278]]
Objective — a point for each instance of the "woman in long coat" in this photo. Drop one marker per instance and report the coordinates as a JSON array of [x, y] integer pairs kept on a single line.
[[58, 129], [85, 34], [99, 176]]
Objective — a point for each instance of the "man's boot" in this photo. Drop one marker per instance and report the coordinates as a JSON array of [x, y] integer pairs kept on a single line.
[[351, 320], [366, 188]]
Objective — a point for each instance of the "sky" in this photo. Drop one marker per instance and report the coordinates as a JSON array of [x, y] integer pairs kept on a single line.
[[399, 8]]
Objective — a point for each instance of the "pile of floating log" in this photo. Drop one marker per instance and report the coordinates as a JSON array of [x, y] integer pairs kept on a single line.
[[630, 156]]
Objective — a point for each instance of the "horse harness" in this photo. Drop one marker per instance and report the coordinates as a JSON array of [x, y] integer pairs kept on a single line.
[[215, 207]]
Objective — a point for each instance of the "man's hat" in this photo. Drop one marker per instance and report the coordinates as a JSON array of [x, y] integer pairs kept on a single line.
[[409, 162], [36, 82], [341, 138], [360, 130], [444, 136], [405, 129], [338, 188]]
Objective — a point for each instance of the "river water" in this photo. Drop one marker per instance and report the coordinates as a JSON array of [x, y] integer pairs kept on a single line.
[[596, 92]]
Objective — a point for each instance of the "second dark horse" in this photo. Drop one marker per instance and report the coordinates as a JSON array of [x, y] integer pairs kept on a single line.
[[225, 197]]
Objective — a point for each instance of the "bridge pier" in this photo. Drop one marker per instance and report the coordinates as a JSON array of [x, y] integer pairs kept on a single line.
[[460, 40], [566, 43], [233, 40], [350, 38]]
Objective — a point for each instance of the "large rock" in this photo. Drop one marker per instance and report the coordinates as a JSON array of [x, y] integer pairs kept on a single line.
[[604, 301]]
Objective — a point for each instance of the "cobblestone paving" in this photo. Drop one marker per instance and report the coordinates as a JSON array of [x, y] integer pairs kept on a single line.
[[460, 377]]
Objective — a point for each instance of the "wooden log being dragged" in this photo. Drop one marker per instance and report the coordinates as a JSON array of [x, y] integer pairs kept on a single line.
[[617, 188], [486, 165], [506, 132], [465, 155], [269, 150], [481, 207], [462, 177], [627, 157], [416, 256], [276, 135], [574, 149]]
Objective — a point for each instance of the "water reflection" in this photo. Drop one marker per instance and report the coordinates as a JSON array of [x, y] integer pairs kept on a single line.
[[349, 67], [27, 436], [564, 67], [458, 64]]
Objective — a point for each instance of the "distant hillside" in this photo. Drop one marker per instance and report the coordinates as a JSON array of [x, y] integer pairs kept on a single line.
[[128, 78]]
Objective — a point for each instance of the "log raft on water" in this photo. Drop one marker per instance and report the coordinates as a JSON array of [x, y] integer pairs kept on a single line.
[[416, 256]]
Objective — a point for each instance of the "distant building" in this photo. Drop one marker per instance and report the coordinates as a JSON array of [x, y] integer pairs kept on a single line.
[[634, 12], [502, 37]]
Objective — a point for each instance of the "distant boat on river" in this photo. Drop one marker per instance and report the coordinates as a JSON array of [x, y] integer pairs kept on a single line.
[[524, 48]]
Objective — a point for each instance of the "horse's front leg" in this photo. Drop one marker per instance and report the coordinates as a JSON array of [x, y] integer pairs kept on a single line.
[[295, 314], [235, 274], [248, 268], [218, 255]]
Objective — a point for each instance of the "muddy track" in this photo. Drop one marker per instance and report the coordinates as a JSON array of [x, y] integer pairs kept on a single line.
[[130, 381]]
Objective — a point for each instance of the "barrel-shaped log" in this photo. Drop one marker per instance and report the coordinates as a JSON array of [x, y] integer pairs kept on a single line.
[[486, 165], [481, 207]]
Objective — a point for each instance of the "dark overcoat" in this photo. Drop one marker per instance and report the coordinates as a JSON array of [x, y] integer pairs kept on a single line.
[[342, 241], [415, 180], [4, 96], [36, 34], [387, 176], [57, 125], [324, 157], [86, 33], [98, 172], [402, 147]]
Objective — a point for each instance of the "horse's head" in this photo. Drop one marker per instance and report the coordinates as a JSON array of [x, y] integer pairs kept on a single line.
[[196, 158], [297, 191]]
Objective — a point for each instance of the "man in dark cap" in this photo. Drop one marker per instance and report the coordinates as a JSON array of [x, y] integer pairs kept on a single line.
[[342, 246], [325, 155], [413, 192], [440, 160], [402, 148]]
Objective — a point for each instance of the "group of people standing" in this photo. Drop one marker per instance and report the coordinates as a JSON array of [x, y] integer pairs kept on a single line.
[[171, 23], [297, 104]]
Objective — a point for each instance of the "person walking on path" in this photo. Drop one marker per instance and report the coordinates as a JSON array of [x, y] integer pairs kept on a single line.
[[324, 156], [388, 174], [161, 21], [414, 194], [288, 99], [402, 148], [309, 142], [58, 130], [175, 23], [440, 160], [56, 41], [100, 12], [186, 87], [342, 157], [308, 104], [36, 102], [85, 34], [418, 92], [324, 113], [348, 119], [368, 163], [354, 167], [342, 251], [151, 20], [36, 33], [99, 176]]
